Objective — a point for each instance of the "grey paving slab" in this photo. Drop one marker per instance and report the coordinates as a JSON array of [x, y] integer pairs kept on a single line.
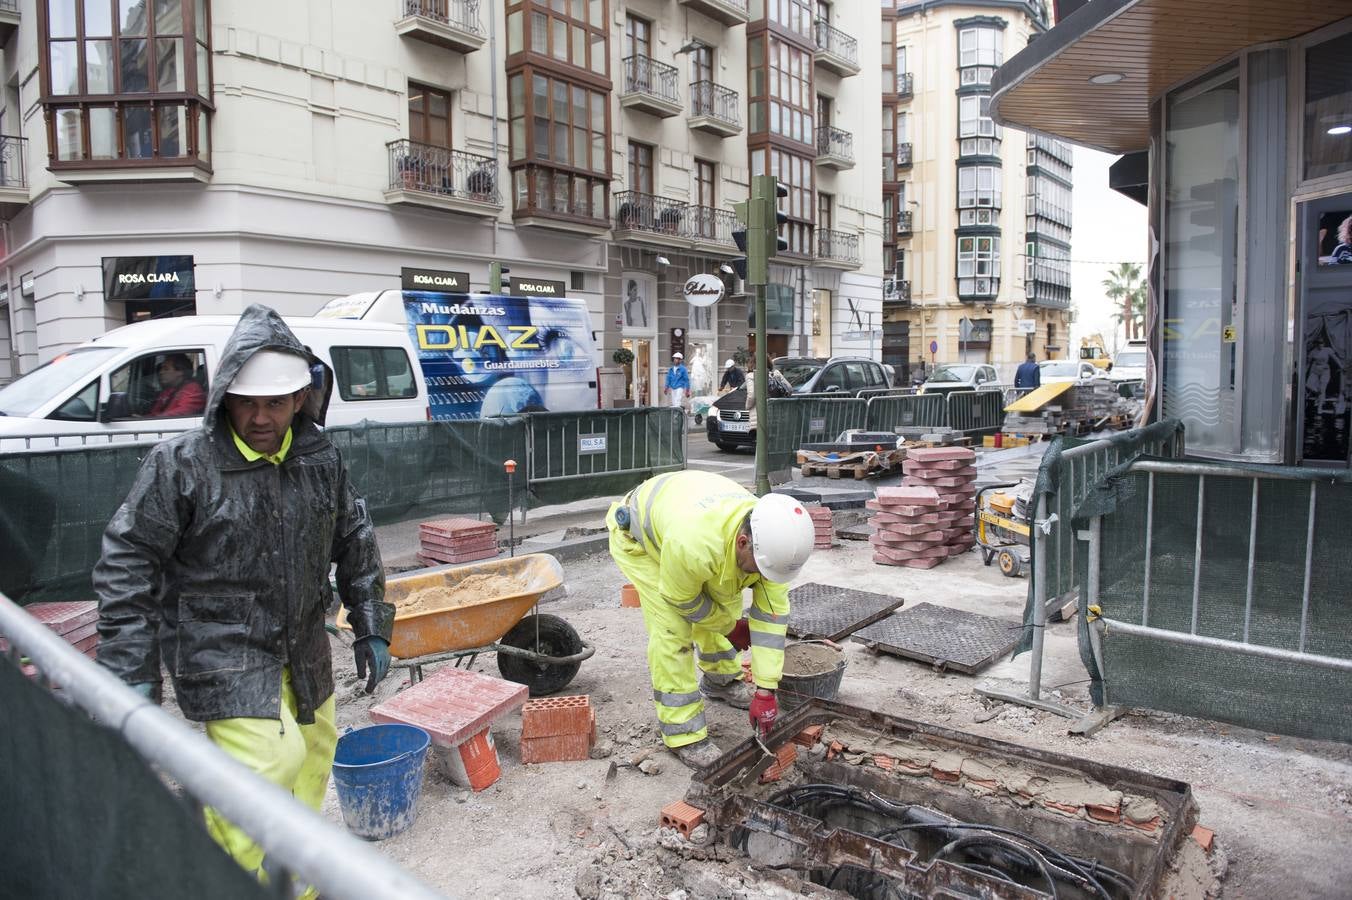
[[828, 611], [948, 638]]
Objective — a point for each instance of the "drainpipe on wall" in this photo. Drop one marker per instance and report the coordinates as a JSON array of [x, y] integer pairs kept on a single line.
[[493, 104]]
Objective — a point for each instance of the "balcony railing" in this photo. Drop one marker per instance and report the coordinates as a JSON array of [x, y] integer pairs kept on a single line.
[[447, 173], [906, 85], [904, 224], [836, 43], [903, 156], [461, 14], [728, 12], [13, 172], [715, 102], [838, 246], [9, 6], [709, 224], [833, 141], [645, 75], [649, 213], [896, 290]]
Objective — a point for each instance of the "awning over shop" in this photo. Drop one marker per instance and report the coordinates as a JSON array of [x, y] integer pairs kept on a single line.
[[1065, 82]]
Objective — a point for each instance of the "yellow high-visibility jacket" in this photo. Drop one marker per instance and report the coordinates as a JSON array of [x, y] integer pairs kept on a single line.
[[688, 522]]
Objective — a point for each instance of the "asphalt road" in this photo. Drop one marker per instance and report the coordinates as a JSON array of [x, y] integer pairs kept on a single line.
[[739, 465]]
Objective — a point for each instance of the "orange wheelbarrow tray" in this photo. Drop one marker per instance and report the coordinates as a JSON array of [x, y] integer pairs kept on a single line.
[[541, 651]]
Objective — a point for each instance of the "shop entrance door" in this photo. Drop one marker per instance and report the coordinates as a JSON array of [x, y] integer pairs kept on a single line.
[[1324, 341], [141, 310], [638, 374]]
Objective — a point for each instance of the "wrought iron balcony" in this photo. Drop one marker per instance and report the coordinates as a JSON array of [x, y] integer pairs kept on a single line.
[[648, 217], [906, 85], [446, 23], [835, 148], [427, 175], [903, 156], [836, 50], [13, 175], [837, 249], [711, 228], [728, 12], [897, 290], [651, 86], [714, 108]]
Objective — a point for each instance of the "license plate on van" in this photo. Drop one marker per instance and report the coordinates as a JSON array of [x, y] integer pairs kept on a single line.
[[738, 427]]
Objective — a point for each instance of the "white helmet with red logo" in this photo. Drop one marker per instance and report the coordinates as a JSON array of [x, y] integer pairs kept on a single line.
[[782, 536]]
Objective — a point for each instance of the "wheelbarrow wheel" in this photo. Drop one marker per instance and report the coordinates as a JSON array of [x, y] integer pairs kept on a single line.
[[1010, 566], [557, 638]]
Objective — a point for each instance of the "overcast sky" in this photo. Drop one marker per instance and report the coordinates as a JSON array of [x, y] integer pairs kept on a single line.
[[1108, 227]]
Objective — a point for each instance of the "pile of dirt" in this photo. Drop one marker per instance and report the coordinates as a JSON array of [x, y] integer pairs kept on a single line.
[[807, 659], [470, 589]]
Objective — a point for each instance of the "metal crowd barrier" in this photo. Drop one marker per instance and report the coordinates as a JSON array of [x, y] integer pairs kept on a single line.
[[1275, 624], [975, 411], [888, 413], [297, 841], [567, 452]]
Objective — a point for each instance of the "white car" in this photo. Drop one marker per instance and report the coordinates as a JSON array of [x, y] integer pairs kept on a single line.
[[1129, 364], [1059, 371]]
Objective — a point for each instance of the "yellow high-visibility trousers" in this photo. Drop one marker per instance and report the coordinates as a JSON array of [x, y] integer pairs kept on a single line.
[[297, 758], [671, 639]]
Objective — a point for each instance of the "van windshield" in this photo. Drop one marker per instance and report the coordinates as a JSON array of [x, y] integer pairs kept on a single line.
[[1133, 359], [48, 381]]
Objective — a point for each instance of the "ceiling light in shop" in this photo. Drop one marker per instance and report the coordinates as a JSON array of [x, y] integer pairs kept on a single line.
[[1339, 130], [1106, 78]]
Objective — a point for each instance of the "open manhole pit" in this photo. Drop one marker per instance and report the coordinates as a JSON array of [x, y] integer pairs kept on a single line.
[[876, 806]]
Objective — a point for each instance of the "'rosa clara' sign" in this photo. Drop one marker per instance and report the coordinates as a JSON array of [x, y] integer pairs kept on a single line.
[[703, 289]]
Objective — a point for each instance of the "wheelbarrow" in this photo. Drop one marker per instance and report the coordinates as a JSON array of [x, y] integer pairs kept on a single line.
[[540, 651]]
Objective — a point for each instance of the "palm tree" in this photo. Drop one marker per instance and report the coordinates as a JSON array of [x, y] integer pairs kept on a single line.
[[1124, 285]]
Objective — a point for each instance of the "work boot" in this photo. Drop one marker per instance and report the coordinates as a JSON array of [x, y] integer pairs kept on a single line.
[[734, 692], [699, 754]]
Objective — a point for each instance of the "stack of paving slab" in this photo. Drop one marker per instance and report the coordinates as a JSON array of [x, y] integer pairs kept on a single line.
[[75, 621], [821, 521], [930, 516], [458, 540]]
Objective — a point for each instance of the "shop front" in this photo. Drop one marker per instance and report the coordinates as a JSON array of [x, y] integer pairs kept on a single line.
[[1234, 121], [149, 287]]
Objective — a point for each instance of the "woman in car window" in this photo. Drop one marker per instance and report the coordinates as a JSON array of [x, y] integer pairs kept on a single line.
[[179, 395]]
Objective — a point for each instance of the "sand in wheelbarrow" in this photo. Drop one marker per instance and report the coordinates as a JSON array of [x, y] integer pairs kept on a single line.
[[470, 589]]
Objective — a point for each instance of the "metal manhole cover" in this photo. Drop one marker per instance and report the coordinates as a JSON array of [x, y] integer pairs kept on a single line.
[[827, 611], [950, 638]]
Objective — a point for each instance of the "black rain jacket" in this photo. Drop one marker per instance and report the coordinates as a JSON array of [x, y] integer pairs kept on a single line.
[[219, 567]]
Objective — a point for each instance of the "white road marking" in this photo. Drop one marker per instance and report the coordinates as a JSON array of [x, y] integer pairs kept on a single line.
[[719, 465]]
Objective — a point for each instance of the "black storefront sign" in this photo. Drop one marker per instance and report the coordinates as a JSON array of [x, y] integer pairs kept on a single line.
[[148, 278], [537, 287], [434, 280]]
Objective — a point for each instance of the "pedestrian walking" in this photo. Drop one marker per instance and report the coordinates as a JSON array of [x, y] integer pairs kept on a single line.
[[678, 380], [1028, 375], [733, 376]]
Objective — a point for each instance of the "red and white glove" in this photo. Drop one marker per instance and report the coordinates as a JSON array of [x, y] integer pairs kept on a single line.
[[764, 710], [740, 636]]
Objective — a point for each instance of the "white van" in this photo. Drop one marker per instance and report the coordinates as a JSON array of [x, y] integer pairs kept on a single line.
[[106, 390], [489, 354], [1129, 364]]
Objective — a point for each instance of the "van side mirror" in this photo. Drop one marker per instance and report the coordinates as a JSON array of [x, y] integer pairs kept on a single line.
[[117, 407]]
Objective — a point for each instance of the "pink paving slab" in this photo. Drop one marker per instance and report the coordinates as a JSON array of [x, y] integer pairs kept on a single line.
[[452, 704]]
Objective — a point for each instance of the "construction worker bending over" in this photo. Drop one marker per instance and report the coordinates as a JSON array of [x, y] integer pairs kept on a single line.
[[218, 564], [691, 542]]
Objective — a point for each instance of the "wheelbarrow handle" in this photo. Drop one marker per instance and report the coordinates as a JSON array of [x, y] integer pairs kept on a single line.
[[586, 652]]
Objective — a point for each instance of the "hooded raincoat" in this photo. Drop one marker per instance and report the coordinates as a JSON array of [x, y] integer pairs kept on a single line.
[[219, 567]]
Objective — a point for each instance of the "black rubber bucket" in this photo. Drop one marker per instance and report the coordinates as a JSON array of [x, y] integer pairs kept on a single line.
[[811, 669]]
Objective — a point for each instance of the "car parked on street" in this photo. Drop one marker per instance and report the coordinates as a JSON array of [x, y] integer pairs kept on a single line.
[[730, 424], [1057, 371], [951, 377], [1129, 364]]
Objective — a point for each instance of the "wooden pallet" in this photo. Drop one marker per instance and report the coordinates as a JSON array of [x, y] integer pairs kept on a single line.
[[858, 471]]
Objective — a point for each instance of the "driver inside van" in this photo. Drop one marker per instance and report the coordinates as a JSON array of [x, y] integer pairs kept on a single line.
[[179, 394]]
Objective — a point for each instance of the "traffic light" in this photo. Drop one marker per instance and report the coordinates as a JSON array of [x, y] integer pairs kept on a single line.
[[495, 272], [774, 243], [768, 191], [739, 237]]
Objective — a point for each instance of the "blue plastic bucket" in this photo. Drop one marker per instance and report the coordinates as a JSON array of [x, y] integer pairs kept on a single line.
[[378, 772]]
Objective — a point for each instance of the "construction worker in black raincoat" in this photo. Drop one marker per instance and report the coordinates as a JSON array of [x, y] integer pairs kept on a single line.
[[217, 567]]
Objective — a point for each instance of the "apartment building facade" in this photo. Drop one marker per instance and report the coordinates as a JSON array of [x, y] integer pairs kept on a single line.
[[184, 156], [977, 217]]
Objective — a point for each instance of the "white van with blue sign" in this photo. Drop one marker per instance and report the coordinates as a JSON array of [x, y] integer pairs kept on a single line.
[[489, 354]]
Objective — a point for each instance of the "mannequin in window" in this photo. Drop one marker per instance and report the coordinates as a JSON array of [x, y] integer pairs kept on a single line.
[[179, 395]]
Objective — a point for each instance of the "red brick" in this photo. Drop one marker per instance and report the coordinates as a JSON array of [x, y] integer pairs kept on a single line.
[[785, 756], [1150, 826], [64, 617], [629, 597], [452, 704], [907, 495], [886, 763], [939, 454], [1063, 808], [1204, 837], [834, 749], [681, 816], [550, 716], [557, 748], [946, 775], [809, 736], [1111, 814]]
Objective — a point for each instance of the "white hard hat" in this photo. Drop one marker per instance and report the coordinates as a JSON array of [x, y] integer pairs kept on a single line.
[[271, 373], [678, 355], [782, 536], [729, 364]]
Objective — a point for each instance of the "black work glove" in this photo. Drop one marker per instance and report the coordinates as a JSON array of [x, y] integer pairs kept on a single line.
[[372, 651]]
